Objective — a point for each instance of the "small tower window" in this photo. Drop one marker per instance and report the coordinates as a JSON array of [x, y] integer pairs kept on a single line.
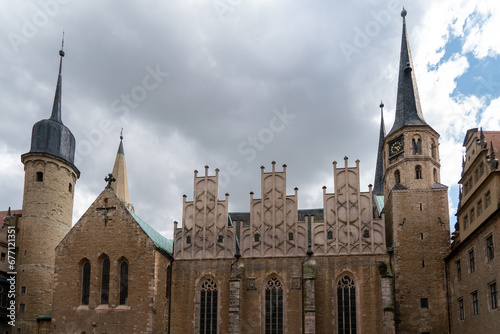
[[329, 235], [290, 236], [256, 237], [188, 239], [366, 233], [70, 188], [39, 176], [220, 239], [435, 175], [424, 302], [418, 172], [397, 177]]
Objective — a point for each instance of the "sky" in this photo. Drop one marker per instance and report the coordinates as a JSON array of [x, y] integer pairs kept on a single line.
[[235, 85]]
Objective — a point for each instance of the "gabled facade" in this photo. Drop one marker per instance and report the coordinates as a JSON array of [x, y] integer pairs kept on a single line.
[[111, 273]]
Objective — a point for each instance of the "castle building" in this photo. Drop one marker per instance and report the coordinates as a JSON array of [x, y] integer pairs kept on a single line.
[[368, 261], [473, 270]]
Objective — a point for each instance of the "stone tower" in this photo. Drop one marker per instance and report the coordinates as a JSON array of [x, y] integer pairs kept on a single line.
[[49, 184], [416, 207]]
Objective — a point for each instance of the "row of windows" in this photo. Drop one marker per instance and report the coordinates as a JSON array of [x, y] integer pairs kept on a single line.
[[273, 306], [479, 206], [492, 296], [418, 174], [478, 172], [104, 286], [256, 237], [490, 255]]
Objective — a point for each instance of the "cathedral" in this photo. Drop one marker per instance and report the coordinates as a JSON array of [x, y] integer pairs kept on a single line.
[[374, 259]]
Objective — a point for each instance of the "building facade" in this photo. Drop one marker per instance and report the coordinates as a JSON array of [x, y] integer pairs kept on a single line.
[[473, 270], [369, 261]]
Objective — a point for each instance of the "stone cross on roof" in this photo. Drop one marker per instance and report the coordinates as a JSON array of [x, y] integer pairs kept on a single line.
[[109, 179]]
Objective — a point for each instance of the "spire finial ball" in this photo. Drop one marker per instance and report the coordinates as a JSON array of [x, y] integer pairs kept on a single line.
[[381, 104], [404, 12]]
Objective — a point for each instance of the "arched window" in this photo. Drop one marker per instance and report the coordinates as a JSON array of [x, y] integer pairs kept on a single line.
[[346, 304], [397, 177], [105, 281], [86, 283], [208, 307], [418, 172], [433, 149], [70, 188], [416, 145], [124, 283], [274, 307]]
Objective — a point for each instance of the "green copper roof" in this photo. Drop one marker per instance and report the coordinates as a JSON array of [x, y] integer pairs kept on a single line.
[[159, 240]]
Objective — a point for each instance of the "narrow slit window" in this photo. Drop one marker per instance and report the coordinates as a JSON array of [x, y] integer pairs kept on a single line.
[[124, 283], [86, 283], [105, 282], [39, 176]]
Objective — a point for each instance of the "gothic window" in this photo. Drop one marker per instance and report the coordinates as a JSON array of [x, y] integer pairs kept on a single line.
[[346, 303], [290, 236], [86, 283], [329, 235], [256, 237], [124, 283], [208, 307], [274, 307], [39, 176], [220, 239], [397, 177], [418, 172], [188, 239], [416, 144], [105, 282], [489, 248], [366, 233]]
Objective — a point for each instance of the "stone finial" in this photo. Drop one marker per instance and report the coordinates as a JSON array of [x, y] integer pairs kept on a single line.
[[109, 179]]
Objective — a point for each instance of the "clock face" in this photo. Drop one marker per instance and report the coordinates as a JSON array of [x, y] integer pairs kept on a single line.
[[396, 146]]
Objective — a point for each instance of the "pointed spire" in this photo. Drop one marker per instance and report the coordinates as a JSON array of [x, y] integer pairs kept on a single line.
[[56, 108], [408, 110], [120, 186], [378, 188], [493, 160]]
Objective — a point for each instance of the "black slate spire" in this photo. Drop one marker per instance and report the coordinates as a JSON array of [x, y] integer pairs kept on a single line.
[[56, 108], [378, 187], [51, 136], [408, 110]]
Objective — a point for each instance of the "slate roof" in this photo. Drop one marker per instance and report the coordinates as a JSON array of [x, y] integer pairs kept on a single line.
[[408, 110], [159, 240], [51, 135]]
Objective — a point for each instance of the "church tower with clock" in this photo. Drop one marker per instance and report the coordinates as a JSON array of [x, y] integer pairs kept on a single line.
[[416, 207]]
